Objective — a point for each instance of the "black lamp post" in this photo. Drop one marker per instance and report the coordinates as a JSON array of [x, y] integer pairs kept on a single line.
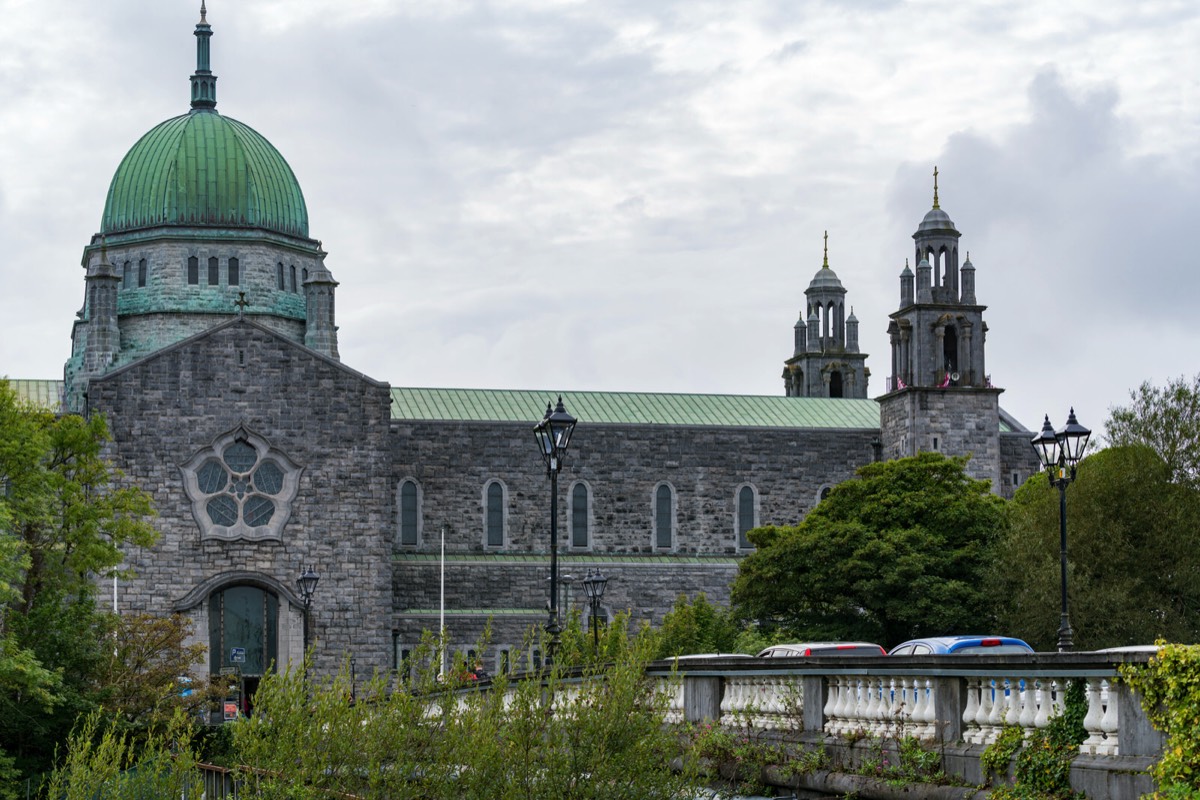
[[593, 587], [306, 584], [1059, 453], [553, 435]]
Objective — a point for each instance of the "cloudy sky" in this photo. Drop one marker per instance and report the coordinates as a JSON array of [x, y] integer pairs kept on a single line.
[[631, 195]]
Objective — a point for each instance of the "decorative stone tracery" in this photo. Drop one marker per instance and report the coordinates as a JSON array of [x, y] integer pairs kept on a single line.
[[241, 487]]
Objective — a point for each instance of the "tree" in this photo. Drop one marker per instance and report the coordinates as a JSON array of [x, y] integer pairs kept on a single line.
[[896, 552], [1133, 546], [697, 627], [64, 516], [1167, 419]]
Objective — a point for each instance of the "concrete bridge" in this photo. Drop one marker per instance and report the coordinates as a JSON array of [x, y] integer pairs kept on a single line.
[[957, 705]]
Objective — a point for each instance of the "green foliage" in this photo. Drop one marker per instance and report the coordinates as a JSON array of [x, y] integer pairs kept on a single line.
[[697, 627], [1133, 539], [417, 738], [742, 754], [998, 756], [1043, 769], [897, 552], [1170, 689], [64, 515], [905, 764], [102, 762], [1166, 419]]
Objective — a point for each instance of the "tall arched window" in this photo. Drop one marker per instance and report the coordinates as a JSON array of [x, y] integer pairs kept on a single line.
[[235, 275], [664, 516], [127, 276], [579, 515], [214, 271], [835, 383], [408, 506], [494, 516], [292, 278], [143, 271], [745, 515], [279, 276], [193, 271]]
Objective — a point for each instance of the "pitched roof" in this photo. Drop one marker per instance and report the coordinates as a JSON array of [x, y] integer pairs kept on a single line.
[[633, 408]]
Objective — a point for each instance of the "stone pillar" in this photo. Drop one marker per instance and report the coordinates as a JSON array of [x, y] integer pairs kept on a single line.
[[320, 332]]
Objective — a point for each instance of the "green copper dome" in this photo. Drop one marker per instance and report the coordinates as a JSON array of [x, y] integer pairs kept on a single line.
[[204, 169]]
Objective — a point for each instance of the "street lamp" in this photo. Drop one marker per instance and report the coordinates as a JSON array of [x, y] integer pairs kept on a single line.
[[306, 584], [1059, 453], [593, 587], [553, 435]]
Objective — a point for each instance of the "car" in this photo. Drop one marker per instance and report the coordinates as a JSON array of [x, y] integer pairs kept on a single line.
[[813, 649], [962, 645]]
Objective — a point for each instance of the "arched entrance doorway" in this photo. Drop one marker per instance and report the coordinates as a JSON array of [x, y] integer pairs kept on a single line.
[[243, 636]]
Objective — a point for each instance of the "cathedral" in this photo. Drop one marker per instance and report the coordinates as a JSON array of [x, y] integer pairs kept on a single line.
[[208, 338]]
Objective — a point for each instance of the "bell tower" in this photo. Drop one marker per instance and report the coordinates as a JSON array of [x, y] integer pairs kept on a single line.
[[939, 396], [826, 361]]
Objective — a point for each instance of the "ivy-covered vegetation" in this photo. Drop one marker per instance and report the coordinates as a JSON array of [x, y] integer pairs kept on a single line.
[[1043, 761], [1170, 688]]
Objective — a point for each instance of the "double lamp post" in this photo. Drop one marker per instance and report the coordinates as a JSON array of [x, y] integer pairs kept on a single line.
[[553, 436], [1060, 452]]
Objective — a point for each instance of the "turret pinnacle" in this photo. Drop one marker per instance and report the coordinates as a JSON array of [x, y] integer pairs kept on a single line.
[[825, 264], [204, 83], [935, 193]]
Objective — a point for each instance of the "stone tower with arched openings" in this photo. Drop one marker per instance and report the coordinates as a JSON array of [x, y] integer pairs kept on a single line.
[[939, 396], [826, 361]]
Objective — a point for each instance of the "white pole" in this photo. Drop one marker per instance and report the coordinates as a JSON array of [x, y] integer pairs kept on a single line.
[[114, 594]]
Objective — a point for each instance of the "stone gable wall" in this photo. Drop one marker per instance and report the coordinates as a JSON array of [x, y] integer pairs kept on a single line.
[[331, 422]]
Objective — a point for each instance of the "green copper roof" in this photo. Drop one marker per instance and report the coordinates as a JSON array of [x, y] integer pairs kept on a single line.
[[208, 170], [502, 405], [39, 393]]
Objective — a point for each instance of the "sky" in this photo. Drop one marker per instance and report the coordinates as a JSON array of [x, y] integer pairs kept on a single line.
[[631, 195]]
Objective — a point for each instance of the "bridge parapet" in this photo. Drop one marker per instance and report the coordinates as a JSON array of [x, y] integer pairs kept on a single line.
[[958, 703]]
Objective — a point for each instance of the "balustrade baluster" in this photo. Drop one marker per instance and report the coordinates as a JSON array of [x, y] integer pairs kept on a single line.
[[970, 726], [1044, 703], [1094, 743], [1028, 704], [920, 703], [833, 688], [995, 718], [1109, 722]]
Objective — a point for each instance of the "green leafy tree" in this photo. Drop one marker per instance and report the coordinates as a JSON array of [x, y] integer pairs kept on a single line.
[[697, 626], [896, 552], [1133, 546], [1166, 419], [65, 513]]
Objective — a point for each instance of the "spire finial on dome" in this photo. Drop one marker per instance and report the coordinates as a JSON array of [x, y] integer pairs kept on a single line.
[[825, 263], [935, 193], [204, 83]]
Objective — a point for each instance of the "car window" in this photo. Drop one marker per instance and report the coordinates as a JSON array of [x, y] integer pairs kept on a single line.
[[994, 650], [906, 650], [921, 649]]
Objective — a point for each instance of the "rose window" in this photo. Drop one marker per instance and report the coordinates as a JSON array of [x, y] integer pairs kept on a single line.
[[241, 487]]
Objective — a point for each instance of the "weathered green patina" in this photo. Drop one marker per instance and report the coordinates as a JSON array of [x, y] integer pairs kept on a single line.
[[204, 169]]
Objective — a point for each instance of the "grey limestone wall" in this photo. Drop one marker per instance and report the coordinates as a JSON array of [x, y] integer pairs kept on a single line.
[[953, 421], [1017, 461], [329, 420], [622, 466]]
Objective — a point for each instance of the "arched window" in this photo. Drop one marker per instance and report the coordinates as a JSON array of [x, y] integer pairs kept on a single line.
[[494, 516], [214, 271], [279, 276], [235, 276], [142, 272], [126, 275], [746, 518], [664, 516], [835, 384], [579, 515], [408, 505], [292, 277], [193, 271], [304, 275]]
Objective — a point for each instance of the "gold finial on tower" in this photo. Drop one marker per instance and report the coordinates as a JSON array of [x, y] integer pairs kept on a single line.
[[825, 264], [935, 196]]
